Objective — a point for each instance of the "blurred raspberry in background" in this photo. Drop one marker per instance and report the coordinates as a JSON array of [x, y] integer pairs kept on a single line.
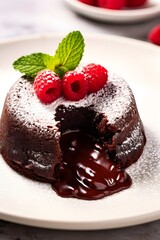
[[154, 35]]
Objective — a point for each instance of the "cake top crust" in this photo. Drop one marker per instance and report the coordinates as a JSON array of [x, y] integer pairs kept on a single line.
[[115, 100]]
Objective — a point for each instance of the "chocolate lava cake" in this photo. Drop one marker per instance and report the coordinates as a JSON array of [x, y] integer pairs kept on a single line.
[[33, 135]]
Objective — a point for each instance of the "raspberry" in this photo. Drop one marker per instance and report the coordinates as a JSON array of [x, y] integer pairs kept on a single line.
[[47, 86], [89, 2], [75, 86], [111, 4], [96, 75], [135, 3], [154, 35]]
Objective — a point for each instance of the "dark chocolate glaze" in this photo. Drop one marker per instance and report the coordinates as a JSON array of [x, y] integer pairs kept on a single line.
[[86, 171]]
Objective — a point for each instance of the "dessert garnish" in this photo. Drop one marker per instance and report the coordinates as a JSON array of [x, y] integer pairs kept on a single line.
[[47, 86], [75, 85], [66, 58], [96, 76], [54, 76]]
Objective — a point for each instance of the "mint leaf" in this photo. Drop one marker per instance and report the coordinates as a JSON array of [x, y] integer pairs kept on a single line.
[[69, 53], [66, 58], [49, 61], [31, 64]]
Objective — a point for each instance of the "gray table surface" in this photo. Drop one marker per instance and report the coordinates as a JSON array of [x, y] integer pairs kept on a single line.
[[23, 17]]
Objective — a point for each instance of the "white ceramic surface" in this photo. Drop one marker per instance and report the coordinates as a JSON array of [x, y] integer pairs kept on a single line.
[[32, 203], [151, 10]]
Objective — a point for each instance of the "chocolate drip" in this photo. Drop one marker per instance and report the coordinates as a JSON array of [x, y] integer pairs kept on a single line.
[[86, 171]]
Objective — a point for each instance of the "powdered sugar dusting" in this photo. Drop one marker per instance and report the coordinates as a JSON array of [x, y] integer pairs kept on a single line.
[[114, 100], [27, 109], [133, 142], [146, 169]]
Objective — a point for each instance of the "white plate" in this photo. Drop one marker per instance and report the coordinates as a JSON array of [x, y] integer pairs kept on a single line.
[[151, 10], [33, 203]]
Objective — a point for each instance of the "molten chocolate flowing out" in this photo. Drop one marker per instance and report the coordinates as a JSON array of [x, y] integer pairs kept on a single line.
[[87, 171]]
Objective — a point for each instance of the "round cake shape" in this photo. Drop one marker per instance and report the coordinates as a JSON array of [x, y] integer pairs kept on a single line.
[[30, 131]]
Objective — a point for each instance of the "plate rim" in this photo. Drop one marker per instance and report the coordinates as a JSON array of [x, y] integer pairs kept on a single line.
[[104, 36], [82, 225]]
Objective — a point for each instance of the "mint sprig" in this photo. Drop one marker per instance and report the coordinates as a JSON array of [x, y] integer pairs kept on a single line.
[[67, 57], [69, 53]]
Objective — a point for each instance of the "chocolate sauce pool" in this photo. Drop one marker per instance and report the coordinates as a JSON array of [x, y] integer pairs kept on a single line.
[[87, 171]]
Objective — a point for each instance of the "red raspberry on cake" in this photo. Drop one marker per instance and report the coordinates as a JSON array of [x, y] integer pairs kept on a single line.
[[89, 2], [111, 4], [47, 86], [75, 86], [154, 35], [135, 3], [96, 76]]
